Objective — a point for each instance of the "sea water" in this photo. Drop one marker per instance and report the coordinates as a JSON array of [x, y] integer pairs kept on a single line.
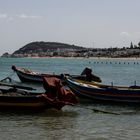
[[74, 122]]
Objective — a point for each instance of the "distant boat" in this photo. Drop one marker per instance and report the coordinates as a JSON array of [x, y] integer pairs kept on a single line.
[[104, 93], [26, 75]]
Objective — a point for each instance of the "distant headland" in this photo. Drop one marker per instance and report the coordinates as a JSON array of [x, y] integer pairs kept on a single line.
[[56, 49]]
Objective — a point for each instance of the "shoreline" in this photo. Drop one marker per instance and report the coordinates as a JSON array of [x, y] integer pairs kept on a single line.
[[96, 58]]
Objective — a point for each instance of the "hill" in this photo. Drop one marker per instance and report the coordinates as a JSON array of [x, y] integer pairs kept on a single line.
[[55, 49], [42, 47]]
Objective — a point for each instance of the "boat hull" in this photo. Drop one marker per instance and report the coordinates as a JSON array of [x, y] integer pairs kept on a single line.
[[104, 94], [30, 76], [23, 102], [24, 77]]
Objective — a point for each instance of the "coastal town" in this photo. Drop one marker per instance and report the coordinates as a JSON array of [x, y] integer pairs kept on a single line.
[[55, 49]]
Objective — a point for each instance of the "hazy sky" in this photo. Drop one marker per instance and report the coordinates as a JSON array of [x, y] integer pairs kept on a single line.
[[88, 23]]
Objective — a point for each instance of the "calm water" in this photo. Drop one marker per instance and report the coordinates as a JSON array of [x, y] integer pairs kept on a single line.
[[74, 123]]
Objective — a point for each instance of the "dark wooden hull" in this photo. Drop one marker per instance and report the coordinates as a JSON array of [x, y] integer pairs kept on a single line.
[[19, 103], [27, 101], [22, 102], [105, 94], [38, 78], [24, 77]]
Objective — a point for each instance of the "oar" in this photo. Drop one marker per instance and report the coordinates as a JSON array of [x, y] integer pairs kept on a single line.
[[16, 86], [105, 111], [100, 110]]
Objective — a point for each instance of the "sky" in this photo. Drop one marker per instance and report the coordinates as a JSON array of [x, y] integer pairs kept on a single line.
[[87, 23]]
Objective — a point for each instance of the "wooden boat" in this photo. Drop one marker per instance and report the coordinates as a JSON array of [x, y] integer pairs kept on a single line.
[[104, 93], [26, 75], [18, 100], [54, 97]]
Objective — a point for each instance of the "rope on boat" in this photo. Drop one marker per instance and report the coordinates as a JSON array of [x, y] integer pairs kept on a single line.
[[8, 77]]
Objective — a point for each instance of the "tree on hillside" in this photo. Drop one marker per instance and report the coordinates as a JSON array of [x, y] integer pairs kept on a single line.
[[139, 44], [131, 45], [135, 46]]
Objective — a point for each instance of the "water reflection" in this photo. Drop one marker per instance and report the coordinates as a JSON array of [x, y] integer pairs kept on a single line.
[[73, 122]]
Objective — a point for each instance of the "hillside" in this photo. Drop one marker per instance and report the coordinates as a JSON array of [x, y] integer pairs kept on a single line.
[[42, 47], [55, 49]]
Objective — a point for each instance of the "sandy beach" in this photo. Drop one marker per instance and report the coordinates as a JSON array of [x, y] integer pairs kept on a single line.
[[96, 58]]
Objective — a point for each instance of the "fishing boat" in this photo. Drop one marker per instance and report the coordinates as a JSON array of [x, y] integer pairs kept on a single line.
[[104, 93], [26, 75], [18, 100], [55, 96]]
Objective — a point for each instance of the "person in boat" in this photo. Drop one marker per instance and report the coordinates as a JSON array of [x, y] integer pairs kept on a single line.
[[89, 76]]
